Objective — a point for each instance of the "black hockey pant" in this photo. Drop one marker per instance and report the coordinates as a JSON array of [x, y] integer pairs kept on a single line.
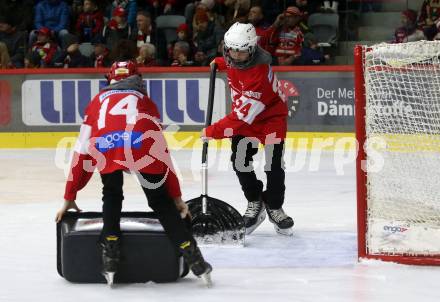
[[177, 229], [243, 150]]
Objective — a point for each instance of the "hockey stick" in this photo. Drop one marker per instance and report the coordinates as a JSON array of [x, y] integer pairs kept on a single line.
[[214, 222]]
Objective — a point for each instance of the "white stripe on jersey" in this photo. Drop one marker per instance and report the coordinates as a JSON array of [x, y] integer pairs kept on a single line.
[[82, 142]]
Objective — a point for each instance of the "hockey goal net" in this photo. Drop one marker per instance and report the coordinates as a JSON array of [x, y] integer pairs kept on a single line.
[[398, 166]]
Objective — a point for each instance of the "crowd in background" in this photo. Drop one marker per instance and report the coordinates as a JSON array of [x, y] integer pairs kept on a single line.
[[92, 33], [421, 25], [51, 33]]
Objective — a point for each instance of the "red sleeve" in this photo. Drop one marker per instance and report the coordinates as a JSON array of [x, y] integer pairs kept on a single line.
[[78, 177], [80, 171], [221, 64], [172, 182], [172, 185], [225, 127]]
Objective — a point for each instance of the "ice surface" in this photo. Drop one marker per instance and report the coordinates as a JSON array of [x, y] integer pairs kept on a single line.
[[317, 264]]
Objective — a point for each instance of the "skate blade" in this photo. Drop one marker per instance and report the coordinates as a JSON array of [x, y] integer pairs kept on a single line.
[[110, 278], [206, 277], [284, 232], [260, 220]]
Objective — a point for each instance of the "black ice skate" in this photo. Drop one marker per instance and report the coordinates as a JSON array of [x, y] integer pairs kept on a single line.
[[283, 224], [110, 257], [254, 215], [193, 257]]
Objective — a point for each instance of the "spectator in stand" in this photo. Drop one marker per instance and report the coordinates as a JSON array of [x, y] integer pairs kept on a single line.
[[117, 29], [262, 28], [5, 59], [267, 36], [90, 22], [43, 51], [130, 6], [429, 18], [22, 12], [408, 32], [181, 54], [146, 57], [209, 7], [100, 56], [256, 18], [71, 57], [145, 31], [14, 40], [207, 37], [54, 15], [310, 53], [290, 37], [182, 35]]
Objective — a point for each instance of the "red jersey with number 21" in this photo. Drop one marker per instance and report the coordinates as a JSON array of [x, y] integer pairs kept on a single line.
[[258, 107]]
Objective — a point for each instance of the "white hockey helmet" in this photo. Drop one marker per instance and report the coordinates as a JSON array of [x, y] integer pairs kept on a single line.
[[240, 37]]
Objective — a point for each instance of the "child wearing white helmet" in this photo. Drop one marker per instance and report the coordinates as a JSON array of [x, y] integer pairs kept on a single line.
[[258, 116]]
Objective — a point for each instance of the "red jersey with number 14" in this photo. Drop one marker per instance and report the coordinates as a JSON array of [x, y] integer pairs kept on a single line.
[[258, 108], [121, 131]]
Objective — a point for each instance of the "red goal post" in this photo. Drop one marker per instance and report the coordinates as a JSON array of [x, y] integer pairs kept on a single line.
[[393, 223]]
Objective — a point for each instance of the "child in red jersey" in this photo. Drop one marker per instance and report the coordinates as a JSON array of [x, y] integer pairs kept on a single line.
[[121, 132], [258, 116], [289, 38], [43, 51]]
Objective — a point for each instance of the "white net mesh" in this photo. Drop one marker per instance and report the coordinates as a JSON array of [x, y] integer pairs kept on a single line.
[[402, 84]]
